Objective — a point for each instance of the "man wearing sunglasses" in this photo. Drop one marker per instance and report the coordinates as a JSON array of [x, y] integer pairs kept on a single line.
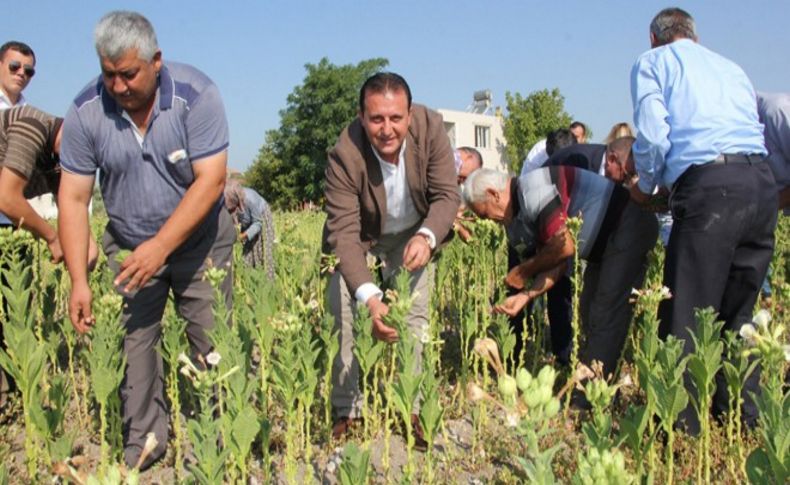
[[17, 67], [157, 133]]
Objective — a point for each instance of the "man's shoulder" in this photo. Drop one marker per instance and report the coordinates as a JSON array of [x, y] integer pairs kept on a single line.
[[89, 94], [186, 82], [422, 119]]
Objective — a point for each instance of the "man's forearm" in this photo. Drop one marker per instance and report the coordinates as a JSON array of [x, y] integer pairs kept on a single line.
[[74, 232], [546, 280], [555, 252], [18, 209]]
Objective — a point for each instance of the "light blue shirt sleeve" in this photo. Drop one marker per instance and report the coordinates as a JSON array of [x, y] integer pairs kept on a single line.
[[256, 205], [650, 119]]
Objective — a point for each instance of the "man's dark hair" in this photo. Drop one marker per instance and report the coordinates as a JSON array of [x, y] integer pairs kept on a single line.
[[476, 154], [383, 82], [15, 45], [579, 124], [673, 23], [558, 139]]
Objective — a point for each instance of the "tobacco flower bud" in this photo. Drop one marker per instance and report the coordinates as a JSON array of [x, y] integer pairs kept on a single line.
[[507, 388], [546, 376]]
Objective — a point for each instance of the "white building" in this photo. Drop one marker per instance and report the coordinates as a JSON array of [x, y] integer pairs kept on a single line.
[[480, 126]]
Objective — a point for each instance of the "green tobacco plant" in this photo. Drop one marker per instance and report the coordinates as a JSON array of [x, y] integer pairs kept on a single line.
[[368, 351], [355, 468], [231, 357], [737, 367], [173, 344], [330, 345], [574, 226], [529, 412], [602, 467], [431, 412], [600, 394], [505, 338], [407, 386], [770, 462], [703, 365], [25, 356], [107, 362], [666, 385]]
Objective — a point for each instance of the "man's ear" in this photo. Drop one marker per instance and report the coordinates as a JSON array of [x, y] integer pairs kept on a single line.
[[493, 193]]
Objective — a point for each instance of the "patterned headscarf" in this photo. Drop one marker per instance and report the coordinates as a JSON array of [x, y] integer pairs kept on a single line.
[[234, 196]]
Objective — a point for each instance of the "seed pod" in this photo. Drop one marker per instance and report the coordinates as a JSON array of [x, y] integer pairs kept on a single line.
[[523, 379], [546, 376], [507, 388], [552, 408]]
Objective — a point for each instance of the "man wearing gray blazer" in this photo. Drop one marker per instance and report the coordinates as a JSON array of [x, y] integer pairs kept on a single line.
[[391, 192]]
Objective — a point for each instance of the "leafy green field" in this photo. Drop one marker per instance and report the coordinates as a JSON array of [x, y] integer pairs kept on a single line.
[[261, 412]]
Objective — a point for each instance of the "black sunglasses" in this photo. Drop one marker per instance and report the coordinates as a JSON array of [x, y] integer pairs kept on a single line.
[[14, 66]]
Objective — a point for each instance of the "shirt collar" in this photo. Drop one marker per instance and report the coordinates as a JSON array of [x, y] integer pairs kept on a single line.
[[5, 102], [400, 155]]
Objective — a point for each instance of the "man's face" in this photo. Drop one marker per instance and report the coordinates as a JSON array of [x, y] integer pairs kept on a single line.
[[386, 122], [469, 164], [131, 81], [15, 72], [495, 207], [619, 166], [579, 134]]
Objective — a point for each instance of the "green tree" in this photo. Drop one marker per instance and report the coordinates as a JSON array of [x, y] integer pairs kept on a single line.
[[530, 119], [290, 164]]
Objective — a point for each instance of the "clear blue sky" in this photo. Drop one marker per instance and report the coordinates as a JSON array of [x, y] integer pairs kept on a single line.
[[255, 50]]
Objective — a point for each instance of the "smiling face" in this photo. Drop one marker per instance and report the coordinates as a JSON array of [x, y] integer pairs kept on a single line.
[[14, 82], [132, 81], [386, 119]]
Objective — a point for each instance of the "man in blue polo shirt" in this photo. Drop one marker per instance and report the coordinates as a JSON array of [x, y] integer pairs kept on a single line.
[[158, 134]]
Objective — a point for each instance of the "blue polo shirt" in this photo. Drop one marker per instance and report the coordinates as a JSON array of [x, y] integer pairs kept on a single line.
[[143, 180]]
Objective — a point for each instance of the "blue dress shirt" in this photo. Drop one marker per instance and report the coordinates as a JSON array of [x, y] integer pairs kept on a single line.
[[690, 105]]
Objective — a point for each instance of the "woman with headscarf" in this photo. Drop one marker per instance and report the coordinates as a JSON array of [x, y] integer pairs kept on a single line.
[[254, 218]]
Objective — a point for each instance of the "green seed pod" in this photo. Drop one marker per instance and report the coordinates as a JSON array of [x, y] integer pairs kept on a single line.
[[552, 408], [507, 388], [523, 379], [546, 376], [531, 399], [544, 395]]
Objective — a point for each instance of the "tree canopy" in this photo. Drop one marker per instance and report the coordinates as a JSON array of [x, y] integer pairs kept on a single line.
[[531, 119], [290, 166]]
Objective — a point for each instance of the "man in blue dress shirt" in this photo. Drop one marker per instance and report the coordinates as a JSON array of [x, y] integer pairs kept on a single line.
[[700, 137]]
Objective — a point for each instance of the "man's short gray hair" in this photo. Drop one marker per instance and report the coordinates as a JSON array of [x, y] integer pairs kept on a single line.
[[671, 24], [480, 181], [119, 31]]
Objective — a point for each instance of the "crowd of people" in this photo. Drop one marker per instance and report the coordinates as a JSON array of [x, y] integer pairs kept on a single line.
[[707, 152]]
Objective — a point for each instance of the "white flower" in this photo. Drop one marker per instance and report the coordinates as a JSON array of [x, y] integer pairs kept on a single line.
[[213, 358], [748, 332], [762, 318], [511, 419], [626, 380], [786, 349], [665, 293]]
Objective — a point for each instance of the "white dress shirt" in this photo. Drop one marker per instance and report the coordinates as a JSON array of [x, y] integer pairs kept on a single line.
[[536, 157], [401, 213]]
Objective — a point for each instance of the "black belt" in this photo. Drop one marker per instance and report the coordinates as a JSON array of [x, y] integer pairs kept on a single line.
[[750, 158]]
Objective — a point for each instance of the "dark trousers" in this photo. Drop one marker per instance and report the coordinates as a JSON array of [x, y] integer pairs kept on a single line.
[[718, 253], [142, 390], [604, 303], [559, 306]]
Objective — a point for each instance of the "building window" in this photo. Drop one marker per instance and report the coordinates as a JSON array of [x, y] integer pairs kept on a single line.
[[482, 136], [449, 128]]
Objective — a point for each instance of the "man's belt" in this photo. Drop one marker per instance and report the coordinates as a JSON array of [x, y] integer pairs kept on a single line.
[[750, 158]]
